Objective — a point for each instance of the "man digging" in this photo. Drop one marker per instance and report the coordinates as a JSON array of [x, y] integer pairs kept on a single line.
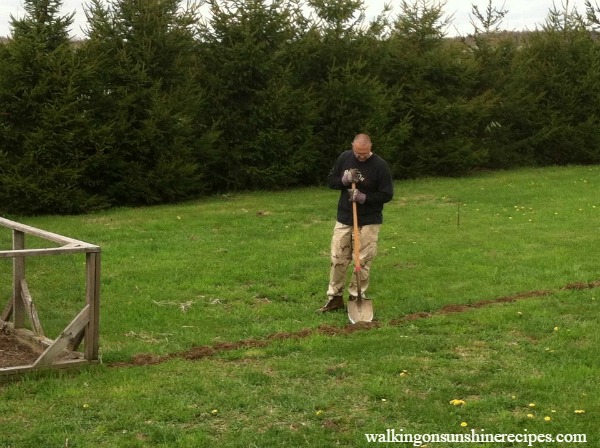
[[374, 187]]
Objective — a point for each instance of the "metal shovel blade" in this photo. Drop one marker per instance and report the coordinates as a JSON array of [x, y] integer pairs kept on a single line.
[[360, 310]]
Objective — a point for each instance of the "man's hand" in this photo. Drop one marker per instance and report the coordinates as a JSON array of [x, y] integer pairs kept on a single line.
[[350, 176], [355, 195]]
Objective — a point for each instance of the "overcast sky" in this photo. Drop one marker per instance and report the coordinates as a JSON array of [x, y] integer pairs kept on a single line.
[[522, 14]]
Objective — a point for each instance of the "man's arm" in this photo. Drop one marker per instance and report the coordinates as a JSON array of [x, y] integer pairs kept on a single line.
[[385, 189], [334, 179]]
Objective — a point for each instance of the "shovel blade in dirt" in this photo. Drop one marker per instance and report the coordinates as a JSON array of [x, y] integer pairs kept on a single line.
[[360, 310]]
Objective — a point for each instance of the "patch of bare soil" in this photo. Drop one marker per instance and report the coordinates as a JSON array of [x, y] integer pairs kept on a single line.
[[14, 353]]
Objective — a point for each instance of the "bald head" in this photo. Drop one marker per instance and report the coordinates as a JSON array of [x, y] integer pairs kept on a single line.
[[362, 139], [361, 146]]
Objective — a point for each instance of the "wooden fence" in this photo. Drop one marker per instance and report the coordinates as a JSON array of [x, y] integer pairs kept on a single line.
[[62, 351]]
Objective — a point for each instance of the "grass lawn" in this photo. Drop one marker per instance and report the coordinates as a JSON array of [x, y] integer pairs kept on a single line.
[[241, 276]]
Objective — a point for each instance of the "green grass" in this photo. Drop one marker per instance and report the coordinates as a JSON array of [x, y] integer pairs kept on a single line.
[[246, 266]]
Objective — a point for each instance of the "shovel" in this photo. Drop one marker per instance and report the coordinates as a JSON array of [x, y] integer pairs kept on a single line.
[[359, 309]]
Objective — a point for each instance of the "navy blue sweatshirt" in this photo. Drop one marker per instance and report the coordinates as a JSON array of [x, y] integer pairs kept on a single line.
[[377, 184]]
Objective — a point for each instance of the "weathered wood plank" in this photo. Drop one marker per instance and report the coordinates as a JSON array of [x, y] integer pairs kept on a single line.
[[8, 309], [28, 337], [93, 302], [76, 341], [63, 364], [18, 275], [30, 309], [36, 232], [69, 249], [60, 343]]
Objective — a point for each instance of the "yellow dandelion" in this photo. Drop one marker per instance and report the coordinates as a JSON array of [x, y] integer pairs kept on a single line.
[[555, 328], [532, 405], [530, 416], [214, 412], [86, 405], [464, 424], [457, 402], [579, 411], [319, 412], [547, 419]]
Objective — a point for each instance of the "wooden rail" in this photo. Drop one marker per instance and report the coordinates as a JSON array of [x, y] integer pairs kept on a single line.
[[61, 352]]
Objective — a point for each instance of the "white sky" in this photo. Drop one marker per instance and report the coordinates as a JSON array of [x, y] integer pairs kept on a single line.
[[522, 14]]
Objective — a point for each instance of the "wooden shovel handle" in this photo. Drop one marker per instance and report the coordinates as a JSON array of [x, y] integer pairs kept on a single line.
[[356, 238]]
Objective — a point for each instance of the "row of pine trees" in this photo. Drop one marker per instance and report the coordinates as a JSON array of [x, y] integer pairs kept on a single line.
[[162, 103]]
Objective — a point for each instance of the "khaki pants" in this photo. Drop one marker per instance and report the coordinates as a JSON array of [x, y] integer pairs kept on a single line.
[[342, 254]]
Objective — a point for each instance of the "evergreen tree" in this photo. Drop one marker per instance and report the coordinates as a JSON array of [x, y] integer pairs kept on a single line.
[[263, 116], [493, 53], [45, 143], [435, 112], [339, 67], [554, 93], [145, 100]]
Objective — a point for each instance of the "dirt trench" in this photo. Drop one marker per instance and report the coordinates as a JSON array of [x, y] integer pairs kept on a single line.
[[15, 353]]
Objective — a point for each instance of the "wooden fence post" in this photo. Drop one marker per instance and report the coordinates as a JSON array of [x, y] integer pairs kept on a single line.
[[18, 276], [93, 301]]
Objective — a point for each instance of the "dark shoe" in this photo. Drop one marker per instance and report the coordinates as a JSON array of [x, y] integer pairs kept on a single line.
[[333, 303], [350, 298]]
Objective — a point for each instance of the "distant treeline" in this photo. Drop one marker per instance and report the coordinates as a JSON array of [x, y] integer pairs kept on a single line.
[[160, 104]]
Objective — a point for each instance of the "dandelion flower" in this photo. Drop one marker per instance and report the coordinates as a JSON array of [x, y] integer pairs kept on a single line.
[[530, 416], [547, 419], [319, 412], [86, 405], [214, 412], [464, 424], [457, 402], [555, 328], [532, 405], [579, 411]]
